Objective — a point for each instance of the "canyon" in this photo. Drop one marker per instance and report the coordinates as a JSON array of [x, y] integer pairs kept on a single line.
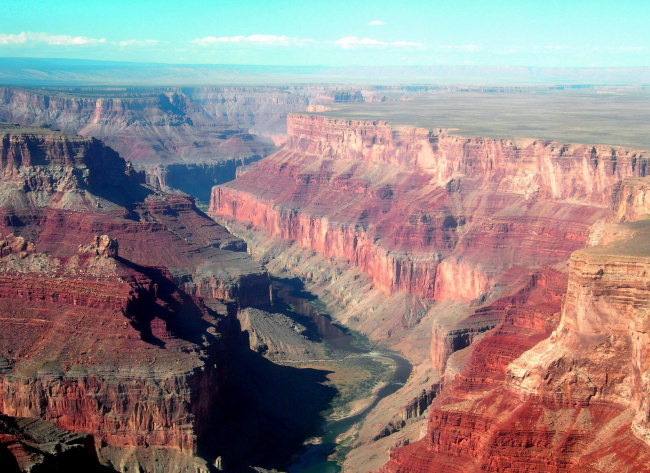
[[475, 240], [119, 308], [186, 139], [508, 276]]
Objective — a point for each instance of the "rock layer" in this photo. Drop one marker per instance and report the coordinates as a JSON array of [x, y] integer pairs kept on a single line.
[[574, 402], [489, 224], [131, 347], [431, 214]]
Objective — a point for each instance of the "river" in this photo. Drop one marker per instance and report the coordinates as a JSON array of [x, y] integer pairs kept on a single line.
[[314, 458]]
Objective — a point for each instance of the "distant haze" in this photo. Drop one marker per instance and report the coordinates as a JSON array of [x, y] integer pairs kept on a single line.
[[62, 72]]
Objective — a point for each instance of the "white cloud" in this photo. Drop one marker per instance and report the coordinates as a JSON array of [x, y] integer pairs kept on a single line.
[[213, 40], [376, 23], [466, 48], [62, 39], [47, 38], [137, 42], [405, 44], [13, 38], [259, 39], [348, 42], [66, 40], [351, 42]]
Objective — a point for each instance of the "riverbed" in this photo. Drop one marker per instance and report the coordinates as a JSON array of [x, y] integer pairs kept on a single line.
[[346, 343]]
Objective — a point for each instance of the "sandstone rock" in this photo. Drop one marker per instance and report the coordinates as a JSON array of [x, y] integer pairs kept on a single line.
[[129, 348], [101, 246], [435, 215], [484, 226], [116, 321], [556, 405], [13, 244]]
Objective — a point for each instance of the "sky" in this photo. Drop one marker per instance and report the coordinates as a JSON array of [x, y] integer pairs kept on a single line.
[[542, 33]]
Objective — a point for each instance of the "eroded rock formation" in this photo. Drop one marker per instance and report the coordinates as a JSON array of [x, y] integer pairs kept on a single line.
[[101, 246], [485, 226], [184, 138], [431, 214], [573, 402], [130, 347]]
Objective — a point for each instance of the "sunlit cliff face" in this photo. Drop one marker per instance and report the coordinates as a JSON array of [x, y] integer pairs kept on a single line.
[[488, 222]]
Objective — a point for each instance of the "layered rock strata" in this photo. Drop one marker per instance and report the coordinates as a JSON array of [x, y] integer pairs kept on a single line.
[[132, 347], [144, 126], [52, 192], [142, 342], [151, 128], [187, 139], [485, 225], [574, 402], [428, 213]]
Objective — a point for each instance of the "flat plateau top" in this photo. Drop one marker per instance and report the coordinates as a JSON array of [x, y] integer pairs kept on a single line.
[[35, 129], [605, 115]]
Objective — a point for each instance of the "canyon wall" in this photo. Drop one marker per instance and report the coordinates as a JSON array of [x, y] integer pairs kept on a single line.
[[153, 128], [128, 337], [431, 214], [576, 401], [186, 139], [528, 379], [107, 383], [532, 168]]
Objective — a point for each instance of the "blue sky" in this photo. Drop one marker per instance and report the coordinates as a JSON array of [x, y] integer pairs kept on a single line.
[[551, 33]]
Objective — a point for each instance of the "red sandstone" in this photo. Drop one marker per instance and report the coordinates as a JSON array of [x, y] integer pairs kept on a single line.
[[488, 222], [430, 214], [128, 346]]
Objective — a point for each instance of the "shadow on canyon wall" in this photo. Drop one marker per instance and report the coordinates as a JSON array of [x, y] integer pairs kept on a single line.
[[268, 413], [291, 298], [265, 411], [197, 179]]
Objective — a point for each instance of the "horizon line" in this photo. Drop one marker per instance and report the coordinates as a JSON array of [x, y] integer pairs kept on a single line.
[[318, 65]]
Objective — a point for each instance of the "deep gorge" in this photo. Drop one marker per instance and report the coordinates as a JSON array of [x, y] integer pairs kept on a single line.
[[502, 280]]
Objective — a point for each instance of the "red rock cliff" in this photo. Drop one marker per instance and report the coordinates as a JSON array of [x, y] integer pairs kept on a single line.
[[576, 401], [78, 336], [431, 214], [131, 346], [489, 222]]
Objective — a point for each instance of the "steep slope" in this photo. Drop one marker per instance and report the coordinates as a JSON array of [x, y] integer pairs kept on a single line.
[[130, 337], [417, 211], [576, 401], [152, 128], [185, 138], [433, 215], [143, 125], [481, 227]]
